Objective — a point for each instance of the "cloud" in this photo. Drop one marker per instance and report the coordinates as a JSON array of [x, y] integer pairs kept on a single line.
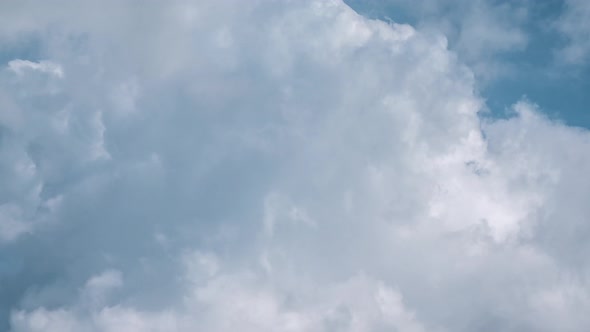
[[225, 302], [573, 25], [480, 32], [272, 166], [18, 66]]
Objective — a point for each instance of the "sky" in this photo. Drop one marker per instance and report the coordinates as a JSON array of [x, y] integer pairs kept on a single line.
[[518, 48], [313, 165]]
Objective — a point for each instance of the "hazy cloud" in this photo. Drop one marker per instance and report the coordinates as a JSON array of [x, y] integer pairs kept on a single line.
[[574, 24]]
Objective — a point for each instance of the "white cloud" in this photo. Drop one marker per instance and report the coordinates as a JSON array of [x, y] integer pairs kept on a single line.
[[270, 166], [20, 66], [226, 302], [480, 32], [97, 288]]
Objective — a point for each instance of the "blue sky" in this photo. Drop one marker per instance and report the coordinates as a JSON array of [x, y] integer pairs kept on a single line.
[[313, 165], [536, 72]]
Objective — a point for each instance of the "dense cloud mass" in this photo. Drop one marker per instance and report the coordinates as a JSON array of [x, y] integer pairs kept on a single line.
[[274, 166]]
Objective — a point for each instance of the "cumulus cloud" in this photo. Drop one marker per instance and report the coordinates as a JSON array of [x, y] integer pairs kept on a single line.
[[245, 301], [275, 166], [481, 32]]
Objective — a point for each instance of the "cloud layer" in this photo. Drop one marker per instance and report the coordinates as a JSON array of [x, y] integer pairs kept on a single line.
[[274, 166]]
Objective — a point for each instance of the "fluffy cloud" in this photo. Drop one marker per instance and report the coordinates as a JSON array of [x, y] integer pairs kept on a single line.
[[481, 32], [275, 166], [217, 301]]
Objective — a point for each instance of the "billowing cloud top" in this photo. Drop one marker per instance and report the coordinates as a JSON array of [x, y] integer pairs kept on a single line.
[[274, 166]]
